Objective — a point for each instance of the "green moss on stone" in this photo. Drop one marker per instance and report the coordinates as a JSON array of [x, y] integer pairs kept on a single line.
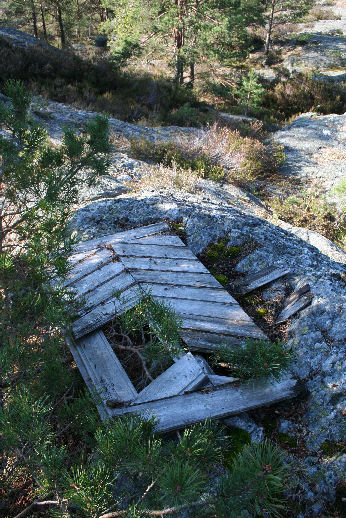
[[237, 438], [222, 279], [330, 448], [269, 425], [261, 312], [287, 440], [220, 251]]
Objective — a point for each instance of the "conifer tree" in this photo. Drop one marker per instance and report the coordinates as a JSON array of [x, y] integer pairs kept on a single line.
[[283, 11]]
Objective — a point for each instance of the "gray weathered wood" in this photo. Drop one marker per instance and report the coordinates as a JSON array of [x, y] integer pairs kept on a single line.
[[184, 410], [104, 313], [222, 326], [197, 280], [91, 263], [217, 381], [98, 277], [230, 313], [141, 250], [261, 278], [300, 299], [208, 342], [190, 293], [108, 290], [100, 367], [185, 375], [161, 240], [156, 228], [164, 265]]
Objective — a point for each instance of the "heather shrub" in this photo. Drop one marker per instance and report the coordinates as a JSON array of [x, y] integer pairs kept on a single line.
[[217, 154], [311, 210], [303, 94]]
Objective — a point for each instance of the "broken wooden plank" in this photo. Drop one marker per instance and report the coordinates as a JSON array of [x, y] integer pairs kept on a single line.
[[185, 410], [157, 251], [208, 342], [156, 228], [104, 313], [261, 278], [300, 299], [218, 381], [189, 293], [179, 278], [222, 326], [102, 370], [164, 265], [98, 277], [185, 375], [88, 265]]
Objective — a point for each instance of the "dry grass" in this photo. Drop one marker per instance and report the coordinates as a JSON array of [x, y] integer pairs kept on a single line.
[[219, 153], [173, 177]]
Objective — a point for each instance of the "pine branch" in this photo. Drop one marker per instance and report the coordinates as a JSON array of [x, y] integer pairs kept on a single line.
[[39, 506], [162, 512]]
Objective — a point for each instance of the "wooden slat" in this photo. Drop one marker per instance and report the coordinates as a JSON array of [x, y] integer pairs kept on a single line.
[[198, 280], [261, 278], [108, 290], [221, 326], [140, 250], [89, 265], [101, 368], [98, 277], [180, 411], [190, 293], [230, 313], [104, 313], [158, 240], [185, 375], [164, 265], [156, 228], [103, 411], [300, 299], [208, 342], [80, 256]]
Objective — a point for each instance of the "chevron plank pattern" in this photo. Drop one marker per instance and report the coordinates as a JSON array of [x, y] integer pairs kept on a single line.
[[111, 273]]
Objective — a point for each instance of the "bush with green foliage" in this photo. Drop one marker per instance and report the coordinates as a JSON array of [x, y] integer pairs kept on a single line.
[[255, 359], [302, 94], [313, 211], [255, 483]]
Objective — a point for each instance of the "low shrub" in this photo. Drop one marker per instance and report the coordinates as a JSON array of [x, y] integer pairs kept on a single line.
[[313, 211], [255, 359], [255, 484], [218, 154], [303, 94]]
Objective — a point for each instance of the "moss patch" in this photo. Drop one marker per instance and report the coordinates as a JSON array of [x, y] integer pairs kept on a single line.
[[287, 440], [261, 311], [237, 438], [330, 448], [222, 279]]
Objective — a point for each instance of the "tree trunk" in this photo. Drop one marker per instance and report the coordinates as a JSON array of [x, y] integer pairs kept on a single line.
[[179, 43], [269, 28], [34, 18], [43, 23], [61, 27], [192, 72], [78, 19]]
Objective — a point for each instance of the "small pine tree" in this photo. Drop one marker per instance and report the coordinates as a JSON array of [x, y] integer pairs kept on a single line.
[[251, 92]]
